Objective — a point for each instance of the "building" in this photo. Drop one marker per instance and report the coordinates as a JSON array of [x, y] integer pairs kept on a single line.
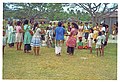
[[110, 19]]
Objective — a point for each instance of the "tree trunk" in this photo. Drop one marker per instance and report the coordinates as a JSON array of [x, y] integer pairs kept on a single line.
[[94, 20]]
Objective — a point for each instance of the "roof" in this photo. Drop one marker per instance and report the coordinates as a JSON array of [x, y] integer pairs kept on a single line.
[[113, 14]]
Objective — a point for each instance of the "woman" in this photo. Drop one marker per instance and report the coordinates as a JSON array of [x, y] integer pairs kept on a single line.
[[71, 42], [36, 39], [27, 37], [19, 35], [11, 34], [59, 37], [86, 29]]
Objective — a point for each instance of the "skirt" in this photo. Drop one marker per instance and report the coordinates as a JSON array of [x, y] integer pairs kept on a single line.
[[19, 37], [90, 43], [36, 42]]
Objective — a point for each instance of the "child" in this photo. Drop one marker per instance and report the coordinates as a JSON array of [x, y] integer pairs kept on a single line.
[[95, 34], [98, 43], [19, 35], [80, 43], [48, 41], [80, 31], [104, 43], [4, 41], [90, 38], [86, 29], [36, 41]]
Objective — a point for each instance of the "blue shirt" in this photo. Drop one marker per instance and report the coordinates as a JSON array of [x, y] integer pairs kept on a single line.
[[59, 33]]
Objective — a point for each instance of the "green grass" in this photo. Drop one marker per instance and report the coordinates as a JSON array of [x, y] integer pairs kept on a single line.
[[47, 66]]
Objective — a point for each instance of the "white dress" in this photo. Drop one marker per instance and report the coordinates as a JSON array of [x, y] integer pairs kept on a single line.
[[99, 42], [90, 37]]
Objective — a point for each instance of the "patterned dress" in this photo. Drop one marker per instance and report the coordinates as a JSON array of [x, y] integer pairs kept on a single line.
[[71, 42], [36, 39]]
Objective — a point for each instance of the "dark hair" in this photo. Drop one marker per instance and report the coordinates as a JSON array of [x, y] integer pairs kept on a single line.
[[91, 30], [75, 25], [86, 22], [50, 23], [8, 22], [59, 24], [107, 26], [47, 28], [96, 23], [35, 25], [18, 23], [25, 22], [80, 40], [11, 23], [68, 22], [100, 24], [100, 33], [103, 31], [104, 25]]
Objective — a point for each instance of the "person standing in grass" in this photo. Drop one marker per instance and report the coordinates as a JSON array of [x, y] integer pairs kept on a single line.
[[71, 42], [80, 31], [99, 43], [86, 30], [42, 26], [19, 35], [4, 40], [95, 32], [11, 33], [27, 37], [59, 37], [107, 32], [36, 39], [90, 38], [104, 42]]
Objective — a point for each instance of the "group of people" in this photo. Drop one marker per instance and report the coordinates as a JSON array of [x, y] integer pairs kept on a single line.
[[53, 35], [97, 34]]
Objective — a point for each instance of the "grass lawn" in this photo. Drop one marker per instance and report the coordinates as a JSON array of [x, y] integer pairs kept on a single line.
[[47, 66]]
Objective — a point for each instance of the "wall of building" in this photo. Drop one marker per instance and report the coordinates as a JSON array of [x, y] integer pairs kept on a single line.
[[110, 21]]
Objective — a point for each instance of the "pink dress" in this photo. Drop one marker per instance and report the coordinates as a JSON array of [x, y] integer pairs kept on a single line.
[[71, 42], [19, 36]]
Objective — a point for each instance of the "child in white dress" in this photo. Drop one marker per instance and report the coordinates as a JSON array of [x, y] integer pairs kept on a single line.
[[99, 42], [90, 38]]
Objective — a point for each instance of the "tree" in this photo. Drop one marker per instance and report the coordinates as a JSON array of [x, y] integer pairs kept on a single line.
[[96, 10], [28, 10]]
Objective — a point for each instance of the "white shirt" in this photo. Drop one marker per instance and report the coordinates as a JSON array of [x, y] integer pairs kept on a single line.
[[86, 27], [37, 33], [10, 29], [103, 39], [99, 40], [90, 36], [103, 29], [80, 27]]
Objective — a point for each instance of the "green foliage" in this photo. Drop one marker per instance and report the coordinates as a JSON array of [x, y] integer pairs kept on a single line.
[[52, 11]]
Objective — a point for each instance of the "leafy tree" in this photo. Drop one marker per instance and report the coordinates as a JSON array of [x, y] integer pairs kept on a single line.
[[96, 10]]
